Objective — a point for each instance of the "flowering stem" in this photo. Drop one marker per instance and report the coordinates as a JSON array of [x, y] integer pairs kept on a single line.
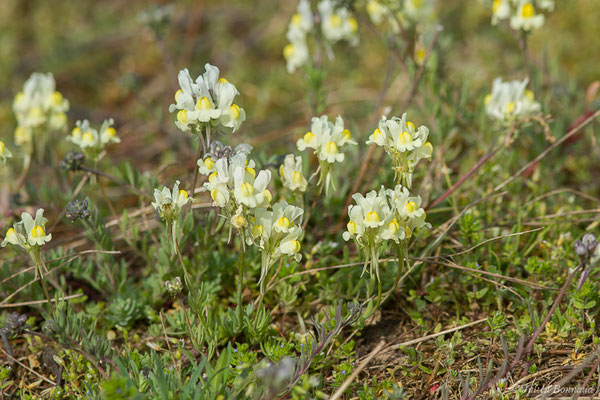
[[201, 148], [36, 255], [187, 277], [240, 288]]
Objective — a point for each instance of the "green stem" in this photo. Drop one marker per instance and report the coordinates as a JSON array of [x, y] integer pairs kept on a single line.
[[186, 275], [240, 288], [36, 255]]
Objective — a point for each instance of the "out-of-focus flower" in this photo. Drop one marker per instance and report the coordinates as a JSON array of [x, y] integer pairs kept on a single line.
[[207, 102], [327, 140], [91, 141], [4, 152], [169, 203], [525, 17], [296, 52], [337, 23], [404, 143], [500, 11], [29, 233], [510, 100], [276, 232], [39, 108], [420, 11], [291, 173]]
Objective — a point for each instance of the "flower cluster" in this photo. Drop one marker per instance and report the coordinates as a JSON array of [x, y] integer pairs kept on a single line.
[[291, 174], [404, 143], [4, 152], [337, 24], [169, 203], [387, 215], [522, 13], [327, 140], [206, 103], [29, 232], [510, 100], [276, 232], [91, 141], [242, 194], [420, 12], [39, 107]]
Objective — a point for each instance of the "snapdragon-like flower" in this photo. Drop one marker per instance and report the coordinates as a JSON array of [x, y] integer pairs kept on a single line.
[[327, 140], [404, 143], [169, 203], [207, 102], [276, 232], [291, 173], [296, 52], [510, 100], [39, 108], [29, 233], [91, 141], [521, 14], [337, 23], [379, 217], [4, 152], [526, 17]]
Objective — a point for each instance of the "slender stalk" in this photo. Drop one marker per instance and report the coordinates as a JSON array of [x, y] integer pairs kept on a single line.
[[187, 277], [240, 288], [36, 255]]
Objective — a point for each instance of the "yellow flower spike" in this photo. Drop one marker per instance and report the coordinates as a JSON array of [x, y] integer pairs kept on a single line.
[[527, 11], [76, 132], [346, 133], [296, 246], [297, 178], [331, 148], [178, 95], [405, 138], [37, 232], [335, 20], [410, 126], [288, 51], [372, 216], [309, 138], [487, 99], [223, 80], [247, 189], [257, 230], [184, 194], [56, 98], [111, 132], [182, 116], [203, 103], [251, 171], [353, 24], [410, 207], [268, 196], [510, 107], [212, 178], [235, 111], [351, 227], [283, 223], [296, 19], [209, 163]]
